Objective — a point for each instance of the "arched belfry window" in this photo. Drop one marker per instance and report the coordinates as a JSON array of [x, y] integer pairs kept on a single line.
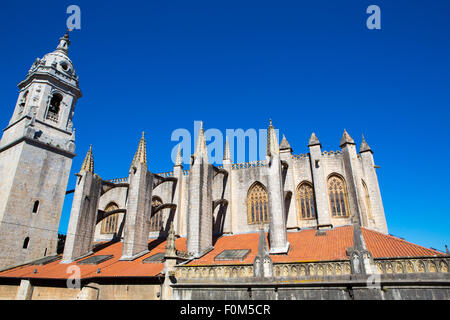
[[54, 107], [306, 201], [257, 204], [111, 223], [156, 221], [367, 201], [337, 192]]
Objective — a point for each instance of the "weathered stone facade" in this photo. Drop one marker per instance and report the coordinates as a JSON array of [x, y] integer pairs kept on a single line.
[[231, 184]]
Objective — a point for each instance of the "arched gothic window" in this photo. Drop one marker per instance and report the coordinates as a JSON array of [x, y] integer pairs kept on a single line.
[[54, 106], [257, 204], [367, 200], [337, 192], [110, 223], [156, 221], [306, 201]]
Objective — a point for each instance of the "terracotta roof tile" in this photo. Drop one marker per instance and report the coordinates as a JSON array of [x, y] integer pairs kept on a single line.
[[305, 246], [387, 246]]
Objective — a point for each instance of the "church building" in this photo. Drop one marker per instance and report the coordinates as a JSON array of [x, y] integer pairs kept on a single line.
[[290, 226]]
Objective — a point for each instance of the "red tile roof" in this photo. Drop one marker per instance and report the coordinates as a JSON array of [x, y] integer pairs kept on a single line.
[[305, 247], [387, 246]]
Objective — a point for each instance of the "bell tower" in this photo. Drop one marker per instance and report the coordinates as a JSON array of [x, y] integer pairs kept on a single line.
[[36, 152]]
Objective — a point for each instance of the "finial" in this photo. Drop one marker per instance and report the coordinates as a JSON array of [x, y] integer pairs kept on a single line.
[[64, 42], [179, 159], [364, 146], [200, 148], [227, 151], [88, 163], [141, 153], [170, 245], [284, 145], [346, 139], [272, 141], [313, 140]]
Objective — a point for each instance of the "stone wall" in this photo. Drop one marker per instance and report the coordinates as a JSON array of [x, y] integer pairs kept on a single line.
[[35, 174], [130, 289]]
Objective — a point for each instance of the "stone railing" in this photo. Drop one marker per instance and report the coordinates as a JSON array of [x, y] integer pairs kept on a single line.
[[281, 270], [246, 165], [412, 265], [332, 153], [52, 116], [307, 270], [292, 270], [119, 180], [165, 174], [185, 172], [300, 156], [214, 272]]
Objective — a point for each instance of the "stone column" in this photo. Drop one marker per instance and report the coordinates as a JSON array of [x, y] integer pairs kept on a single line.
[[277, 215], [170, 261], [373, 187], [353, 175], [177, 195], [227, 165], [288, 184], [137, 220], [199, 224], [319, 182], [83, 217]]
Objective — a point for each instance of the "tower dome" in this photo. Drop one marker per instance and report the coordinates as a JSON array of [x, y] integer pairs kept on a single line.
[[57, 62]]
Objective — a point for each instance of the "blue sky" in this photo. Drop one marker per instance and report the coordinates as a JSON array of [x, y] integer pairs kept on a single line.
[[156, 66]]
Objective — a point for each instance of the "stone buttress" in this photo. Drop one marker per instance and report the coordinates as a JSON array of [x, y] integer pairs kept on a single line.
[[139, 204]]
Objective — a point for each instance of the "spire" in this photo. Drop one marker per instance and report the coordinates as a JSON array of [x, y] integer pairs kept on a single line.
[[227, 152], [313, 141], [179, 159], [284, 145], [141, 153], [272, 141], [170, 245], [346, 139], [64, 42], [364, 146], [88, 163], [200, 148], [262, 245]]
